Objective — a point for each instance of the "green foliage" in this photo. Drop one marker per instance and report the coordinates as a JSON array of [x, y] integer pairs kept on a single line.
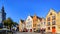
[[9, 22]]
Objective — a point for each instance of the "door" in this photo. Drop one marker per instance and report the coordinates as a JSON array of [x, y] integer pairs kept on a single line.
[[30, 30], [53, 29]]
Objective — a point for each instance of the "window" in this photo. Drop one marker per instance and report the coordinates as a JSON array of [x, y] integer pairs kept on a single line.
[[48, 19], [34, 25], [44, 23], [41, 22], [48, 23], [34, 28], [53, 22], [51, 13], [53, 17], [48, 28], [38, 25], [28, 23], [28, 19]]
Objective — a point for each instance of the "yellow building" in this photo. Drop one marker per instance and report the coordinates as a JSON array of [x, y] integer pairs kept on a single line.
[[38, 23], [21, 25], [58, 23], [43, 24], [51, 21]]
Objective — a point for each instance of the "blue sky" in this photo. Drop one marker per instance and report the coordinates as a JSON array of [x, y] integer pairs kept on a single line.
[[20, 9]]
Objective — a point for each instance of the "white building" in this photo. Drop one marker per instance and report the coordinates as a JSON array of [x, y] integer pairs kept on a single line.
[[29, 23]]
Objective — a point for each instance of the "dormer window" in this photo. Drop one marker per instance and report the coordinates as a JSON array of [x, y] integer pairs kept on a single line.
[[28, 19], [51, 13]]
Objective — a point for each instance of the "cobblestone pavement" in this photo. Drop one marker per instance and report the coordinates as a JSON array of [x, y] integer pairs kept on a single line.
[[29, 33], [26, 33]]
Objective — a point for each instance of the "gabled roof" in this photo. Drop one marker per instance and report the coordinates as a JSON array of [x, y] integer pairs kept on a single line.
[[22, 21], [39, 18], [51, 10], [31, 16]]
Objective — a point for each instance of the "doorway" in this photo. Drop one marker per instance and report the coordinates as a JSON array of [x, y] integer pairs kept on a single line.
[[53, 29]]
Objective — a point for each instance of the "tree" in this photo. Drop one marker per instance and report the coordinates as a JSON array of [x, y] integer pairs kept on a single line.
[[9, 22], [5, 23]]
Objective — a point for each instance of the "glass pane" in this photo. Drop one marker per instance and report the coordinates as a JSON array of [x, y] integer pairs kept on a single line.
[[48, 19], [48, 23], [54, 22]]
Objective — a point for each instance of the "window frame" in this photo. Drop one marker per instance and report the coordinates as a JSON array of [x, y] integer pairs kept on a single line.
[[54, 22], [48, 28], [53, 17], [48, 23], [48, 19]]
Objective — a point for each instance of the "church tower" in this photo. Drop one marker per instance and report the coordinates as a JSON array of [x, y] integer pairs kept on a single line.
[[2, 15]]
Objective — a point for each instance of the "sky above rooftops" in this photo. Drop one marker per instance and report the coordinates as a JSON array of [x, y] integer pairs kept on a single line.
[[20, 9]]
